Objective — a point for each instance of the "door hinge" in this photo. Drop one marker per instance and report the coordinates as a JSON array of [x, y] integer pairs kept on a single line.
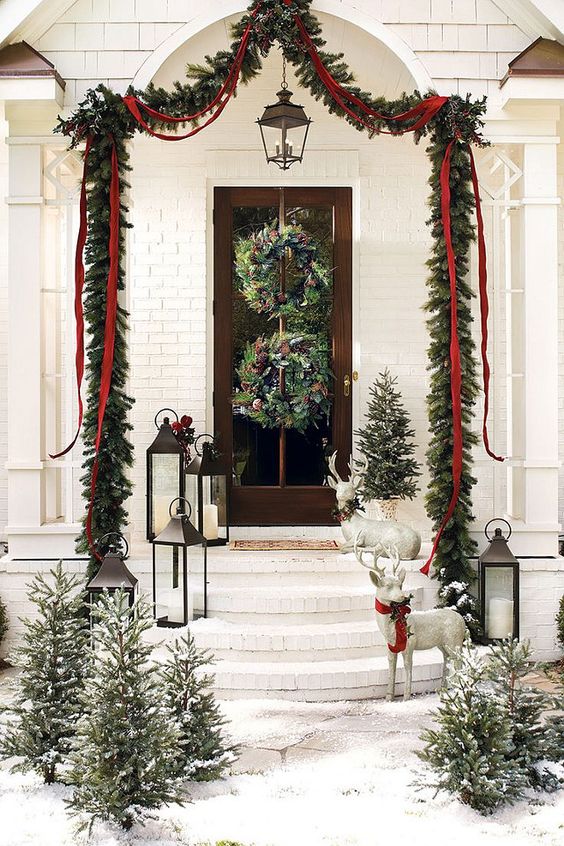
[[213, 398], [213, 215]]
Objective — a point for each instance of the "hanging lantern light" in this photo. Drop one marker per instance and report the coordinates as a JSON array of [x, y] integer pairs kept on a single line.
[[499, 587], [284, 127], [179, 557], [206, 487], [166, 469]]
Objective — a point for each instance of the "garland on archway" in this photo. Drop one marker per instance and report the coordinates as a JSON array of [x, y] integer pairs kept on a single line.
[[257, 261], [104, 121]]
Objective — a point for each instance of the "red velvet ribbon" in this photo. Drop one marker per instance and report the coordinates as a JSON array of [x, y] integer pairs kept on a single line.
[[401, 625], [484, 306], [423, 111], [109, 333], [219, 102], [78, 289]]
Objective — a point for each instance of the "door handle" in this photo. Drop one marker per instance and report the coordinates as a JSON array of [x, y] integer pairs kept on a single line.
[[347, 385]]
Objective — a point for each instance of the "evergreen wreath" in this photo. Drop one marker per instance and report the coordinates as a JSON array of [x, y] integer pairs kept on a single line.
[[306, 398], [256, 265]]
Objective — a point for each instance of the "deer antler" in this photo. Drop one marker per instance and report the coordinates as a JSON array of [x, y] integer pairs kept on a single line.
[[359, 552], [333, 468], [357, 474], [394, 556]]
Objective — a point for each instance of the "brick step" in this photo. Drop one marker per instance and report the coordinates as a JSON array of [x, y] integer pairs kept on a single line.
[[295, 604], [327, 681], [228, 567], [263, 643]]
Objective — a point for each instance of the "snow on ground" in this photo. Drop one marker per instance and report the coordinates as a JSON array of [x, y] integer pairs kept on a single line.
[[336, 775]]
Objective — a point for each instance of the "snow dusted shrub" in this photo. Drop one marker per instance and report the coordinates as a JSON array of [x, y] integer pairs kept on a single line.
[[125, 751], [509, 661], [204, 751], [470, 752], [456, 595], [3, 621], [53, 659]]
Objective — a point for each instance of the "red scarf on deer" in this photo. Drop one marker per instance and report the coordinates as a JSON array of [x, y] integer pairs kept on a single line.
[[401, 625]]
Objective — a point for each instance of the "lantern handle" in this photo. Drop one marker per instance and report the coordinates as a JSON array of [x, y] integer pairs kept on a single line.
[[124, 543], [161, 411], [180, 499], [498, 520], [203, 435]]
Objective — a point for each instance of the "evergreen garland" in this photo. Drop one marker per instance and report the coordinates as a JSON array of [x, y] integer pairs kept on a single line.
[[452, 560], [103, 113], [386, 442], [3, 621], [53, 660], [204, 753]]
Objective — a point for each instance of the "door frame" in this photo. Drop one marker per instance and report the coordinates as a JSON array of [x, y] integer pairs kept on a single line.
[[352, 215]]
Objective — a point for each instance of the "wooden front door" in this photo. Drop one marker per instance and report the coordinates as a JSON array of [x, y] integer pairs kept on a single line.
[[279, 474]]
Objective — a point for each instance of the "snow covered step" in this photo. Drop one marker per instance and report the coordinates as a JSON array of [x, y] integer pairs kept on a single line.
[[293, 605], [233, 567], [324, 642], [326, 681]]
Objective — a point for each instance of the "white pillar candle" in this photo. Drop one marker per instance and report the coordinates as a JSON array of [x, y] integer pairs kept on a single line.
[[211, 522], [500, 623], [161, 515], [172, 605]]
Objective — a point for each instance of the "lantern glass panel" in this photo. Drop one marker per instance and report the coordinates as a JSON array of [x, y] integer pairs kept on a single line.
[[499, 602], [196, 580], [214, 507], [284, 144], [169, 585], [165, 473], [192, 495]]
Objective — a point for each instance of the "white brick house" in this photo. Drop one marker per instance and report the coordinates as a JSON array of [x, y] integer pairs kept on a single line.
[[454, 46]]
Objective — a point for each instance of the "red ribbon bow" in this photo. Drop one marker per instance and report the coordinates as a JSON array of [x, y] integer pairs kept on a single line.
[[401, 625]]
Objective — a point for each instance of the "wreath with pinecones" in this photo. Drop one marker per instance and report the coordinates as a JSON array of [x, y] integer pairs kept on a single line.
[[257, 262], [306, 398]]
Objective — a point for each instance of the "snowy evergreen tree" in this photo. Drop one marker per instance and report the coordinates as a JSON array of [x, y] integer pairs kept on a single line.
[[125, 750], [385, 441], [3, 621], [53, 659], [509, 661], [205, 753], [470, 750]]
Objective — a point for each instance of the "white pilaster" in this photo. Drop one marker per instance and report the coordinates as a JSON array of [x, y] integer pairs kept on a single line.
[[24, 338], [534, 476]]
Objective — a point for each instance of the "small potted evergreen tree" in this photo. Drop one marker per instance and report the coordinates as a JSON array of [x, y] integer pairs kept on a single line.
[[386, 442]]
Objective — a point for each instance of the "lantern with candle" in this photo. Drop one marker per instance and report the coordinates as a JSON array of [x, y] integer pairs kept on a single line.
[[166, 471], [499, 587], [206, 488], [113, 574], [179, 568]]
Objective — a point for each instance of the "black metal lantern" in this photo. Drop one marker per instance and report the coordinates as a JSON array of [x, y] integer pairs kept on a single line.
[[179, 562], [166, 469], [284, 127], [206, 487], [499, 587], [113, 574]]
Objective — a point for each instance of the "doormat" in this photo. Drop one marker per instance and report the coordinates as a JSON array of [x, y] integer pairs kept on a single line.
[[305, 543]]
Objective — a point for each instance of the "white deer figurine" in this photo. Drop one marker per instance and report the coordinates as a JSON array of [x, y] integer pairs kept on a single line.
[[406, 630], [362, 531]]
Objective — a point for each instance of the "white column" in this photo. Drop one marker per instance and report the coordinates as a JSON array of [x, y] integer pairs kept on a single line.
[[24, 340], [533, 478]]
